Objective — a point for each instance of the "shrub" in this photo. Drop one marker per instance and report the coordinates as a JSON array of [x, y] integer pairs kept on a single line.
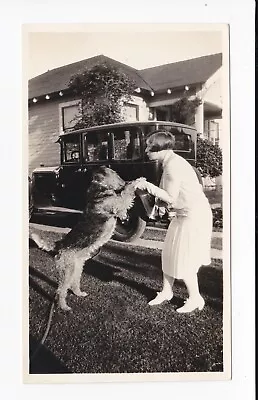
[[217, 217], [209, 158]]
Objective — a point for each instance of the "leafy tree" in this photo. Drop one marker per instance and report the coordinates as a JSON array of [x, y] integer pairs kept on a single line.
[[183, 111], [209, 158], [102, 88]]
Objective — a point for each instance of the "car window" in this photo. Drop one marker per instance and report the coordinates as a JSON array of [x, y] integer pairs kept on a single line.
[[96, 146], [126, 143], [183, 141], [71, 149]]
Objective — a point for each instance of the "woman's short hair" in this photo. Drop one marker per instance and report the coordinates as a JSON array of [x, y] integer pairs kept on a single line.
[[160, 140]]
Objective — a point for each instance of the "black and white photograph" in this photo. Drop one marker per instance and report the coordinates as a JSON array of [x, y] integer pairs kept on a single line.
[[128, 214]]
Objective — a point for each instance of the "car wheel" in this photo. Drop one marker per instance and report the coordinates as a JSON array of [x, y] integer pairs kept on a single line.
[[130, 229]]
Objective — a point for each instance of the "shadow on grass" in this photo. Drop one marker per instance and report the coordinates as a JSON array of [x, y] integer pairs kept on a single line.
[[106, 273], [210, 281], [43, 277], [32, 244], [151, 257], [38, 289], [44, 362]]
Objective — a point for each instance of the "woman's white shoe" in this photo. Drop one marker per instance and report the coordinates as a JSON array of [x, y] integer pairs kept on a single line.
[[191, 305], [161, 296]]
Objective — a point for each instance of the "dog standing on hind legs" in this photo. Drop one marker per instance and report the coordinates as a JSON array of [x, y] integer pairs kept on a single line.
[[108, 198]]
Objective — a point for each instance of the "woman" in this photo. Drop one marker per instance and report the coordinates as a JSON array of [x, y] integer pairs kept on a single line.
[[188, 240]]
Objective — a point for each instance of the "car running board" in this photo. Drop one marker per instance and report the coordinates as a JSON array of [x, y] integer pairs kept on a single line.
[[53, 210]]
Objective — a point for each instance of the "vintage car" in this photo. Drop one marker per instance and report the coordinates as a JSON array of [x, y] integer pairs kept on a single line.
[[120, 146]]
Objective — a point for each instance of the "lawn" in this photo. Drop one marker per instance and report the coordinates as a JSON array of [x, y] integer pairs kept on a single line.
[[113, 330]]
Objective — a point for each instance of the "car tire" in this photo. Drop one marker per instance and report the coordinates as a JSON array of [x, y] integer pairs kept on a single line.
[[131, 229]]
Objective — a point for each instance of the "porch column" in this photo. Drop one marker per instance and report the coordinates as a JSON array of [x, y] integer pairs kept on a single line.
[[199, 119]]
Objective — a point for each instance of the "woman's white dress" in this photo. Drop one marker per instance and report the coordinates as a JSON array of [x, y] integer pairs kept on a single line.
[[187, 244]]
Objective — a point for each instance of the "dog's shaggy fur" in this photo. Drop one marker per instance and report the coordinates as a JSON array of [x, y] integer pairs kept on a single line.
[[108, 198]]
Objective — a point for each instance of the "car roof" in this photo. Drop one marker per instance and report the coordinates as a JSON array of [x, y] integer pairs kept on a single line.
[[122, 124]]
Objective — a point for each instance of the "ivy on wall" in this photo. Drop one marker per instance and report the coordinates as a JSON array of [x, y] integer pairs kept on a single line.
[[102, 88]]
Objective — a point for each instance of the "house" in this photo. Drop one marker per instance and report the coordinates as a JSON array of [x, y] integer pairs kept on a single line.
[[52, 106]]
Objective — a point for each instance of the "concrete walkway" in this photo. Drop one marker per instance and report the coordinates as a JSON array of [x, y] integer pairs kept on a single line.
[[158, 245], [150, 244]]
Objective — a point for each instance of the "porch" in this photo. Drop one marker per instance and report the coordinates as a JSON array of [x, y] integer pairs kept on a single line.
[[207, 119]]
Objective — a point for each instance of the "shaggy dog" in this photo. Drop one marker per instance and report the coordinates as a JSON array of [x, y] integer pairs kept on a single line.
[[108, 198]]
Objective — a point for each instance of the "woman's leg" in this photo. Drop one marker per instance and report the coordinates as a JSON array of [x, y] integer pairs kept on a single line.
[[195, 300], [167, 291], [167, 262]]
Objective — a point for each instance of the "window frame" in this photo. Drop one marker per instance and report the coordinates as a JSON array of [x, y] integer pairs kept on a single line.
[[63, 151], [63, 105], [175, 131], [112, 146], [85, 153], [136, 107]]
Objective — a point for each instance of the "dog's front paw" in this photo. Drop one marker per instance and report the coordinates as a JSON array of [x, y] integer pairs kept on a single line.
[[66, 308], [123, 217], [79, 293]]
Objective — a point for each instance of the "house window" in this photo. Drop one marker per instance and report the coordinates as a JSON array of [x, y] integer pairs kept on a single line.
[[131, 112], [211, 131], [69, 115], [206, 129]]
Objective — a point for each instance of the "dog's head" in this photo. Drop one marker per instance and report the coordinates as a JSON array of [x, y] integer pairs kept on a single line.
[[108, 178]]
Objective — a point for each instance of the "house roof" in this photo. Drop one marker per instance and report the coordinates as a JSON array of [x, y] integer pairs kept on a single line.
[[58, 79], [178, 74], [162, 77]]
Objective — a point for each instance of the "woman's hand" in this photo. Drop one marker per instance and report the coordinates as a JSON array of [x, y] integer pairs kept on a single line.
[[141, 183]]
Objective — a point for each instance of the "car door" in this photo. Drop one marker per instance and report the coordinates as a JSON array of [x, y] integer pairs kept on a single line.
[[128, 158], [73, 176], [127, 152]]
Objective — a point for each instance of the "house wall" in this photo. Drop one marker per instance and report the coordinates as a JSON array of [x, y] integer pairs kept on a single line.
[[43, 132], [142, 108]]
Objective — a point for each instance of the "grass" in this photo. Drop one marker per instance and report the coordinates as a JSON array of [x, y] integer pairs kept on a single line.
[[113, 330]]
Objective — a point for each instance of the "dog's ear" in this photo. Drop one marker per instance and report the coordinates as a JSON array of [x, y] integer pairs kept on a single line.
[[98, 173], [101, 169]]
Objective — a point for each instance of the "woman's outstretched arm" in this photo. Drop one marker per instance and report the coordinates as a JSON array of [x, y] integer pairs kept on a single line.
[[172, 183]]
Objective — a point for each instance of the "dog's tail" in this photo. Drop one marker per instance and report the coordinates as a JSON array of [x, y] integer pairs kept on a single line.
[[50, 248]]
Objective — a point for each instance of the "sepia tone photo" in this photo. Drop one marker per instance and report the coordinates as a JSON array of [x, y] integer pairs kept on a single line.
[[128, 215]]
